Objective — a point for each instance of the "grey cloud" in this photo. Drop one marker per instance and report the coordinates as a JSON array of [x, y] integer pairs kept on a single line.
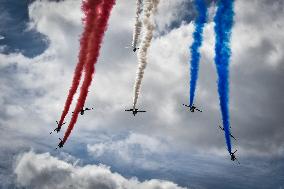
[[136, 149]]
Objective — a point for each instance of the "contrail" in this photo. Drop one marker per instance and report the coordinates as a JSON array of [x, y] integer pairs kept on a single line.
[[90, 18], [150, 7], [93, 53], [197, 42], [223, 28], [138, 23]]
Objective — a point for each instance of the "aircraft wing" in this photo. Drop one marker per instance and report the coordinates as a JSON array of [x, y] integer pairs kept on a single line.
[[233, 137], [186, 105], [128, 110], [235, 151], [198, 110]]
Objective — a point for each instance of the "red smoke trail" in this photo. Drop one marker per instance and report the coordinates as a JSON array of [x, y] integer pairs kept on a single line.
[[88, 8], [93, 54]]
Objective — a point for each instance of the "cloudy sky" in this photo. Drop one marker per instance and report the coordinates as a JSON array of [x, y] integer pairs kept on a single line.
[[167, 147]]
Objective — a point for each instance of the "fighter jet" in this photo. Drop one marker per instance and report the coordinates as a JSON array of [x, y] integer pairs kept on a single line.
[[233, 157], [60, 145], [82, 111], [222, 128], [57, 129], [134, 111], [133, 48], [192, 108]]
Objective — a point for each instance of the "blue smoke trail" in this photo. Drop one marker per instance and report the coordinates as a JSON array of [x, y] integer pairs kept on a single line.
[[197, 41], [223, 27]]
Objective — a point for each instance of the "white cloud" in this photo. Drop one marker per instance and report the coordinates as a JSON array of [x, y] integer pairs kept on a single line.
[[133, 149], [45, 171]]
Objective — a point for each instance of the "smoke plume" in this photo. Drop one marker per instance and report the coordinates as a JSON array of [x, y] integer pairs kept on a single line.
[[138, 23], [197, 42], [95, 39], [223, 28], [150, 8]]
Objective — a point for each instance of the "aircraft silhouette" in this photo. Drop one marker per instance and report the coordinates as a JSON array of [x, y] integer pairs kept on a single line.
[[60, 145], [134, 111], [233, 156], [82, 111], [192, 108], [134, 49], [58, 128]]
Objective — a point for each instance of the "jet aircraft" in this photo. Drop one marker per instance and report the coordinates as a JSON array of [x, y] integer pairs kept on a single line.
[[133, 48], [82, 111], [192, 108], [60, 145], [233, 157], [57, 129], [134, 111]]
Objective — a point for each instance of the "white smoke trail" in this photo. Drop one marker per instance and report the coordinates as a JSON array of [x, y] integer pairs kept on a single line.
[[150, 8], [138, 23]]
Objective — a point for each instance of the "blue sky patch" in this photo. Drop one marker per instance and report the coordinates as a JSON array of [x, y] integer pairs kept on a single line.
[[13, 28]]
